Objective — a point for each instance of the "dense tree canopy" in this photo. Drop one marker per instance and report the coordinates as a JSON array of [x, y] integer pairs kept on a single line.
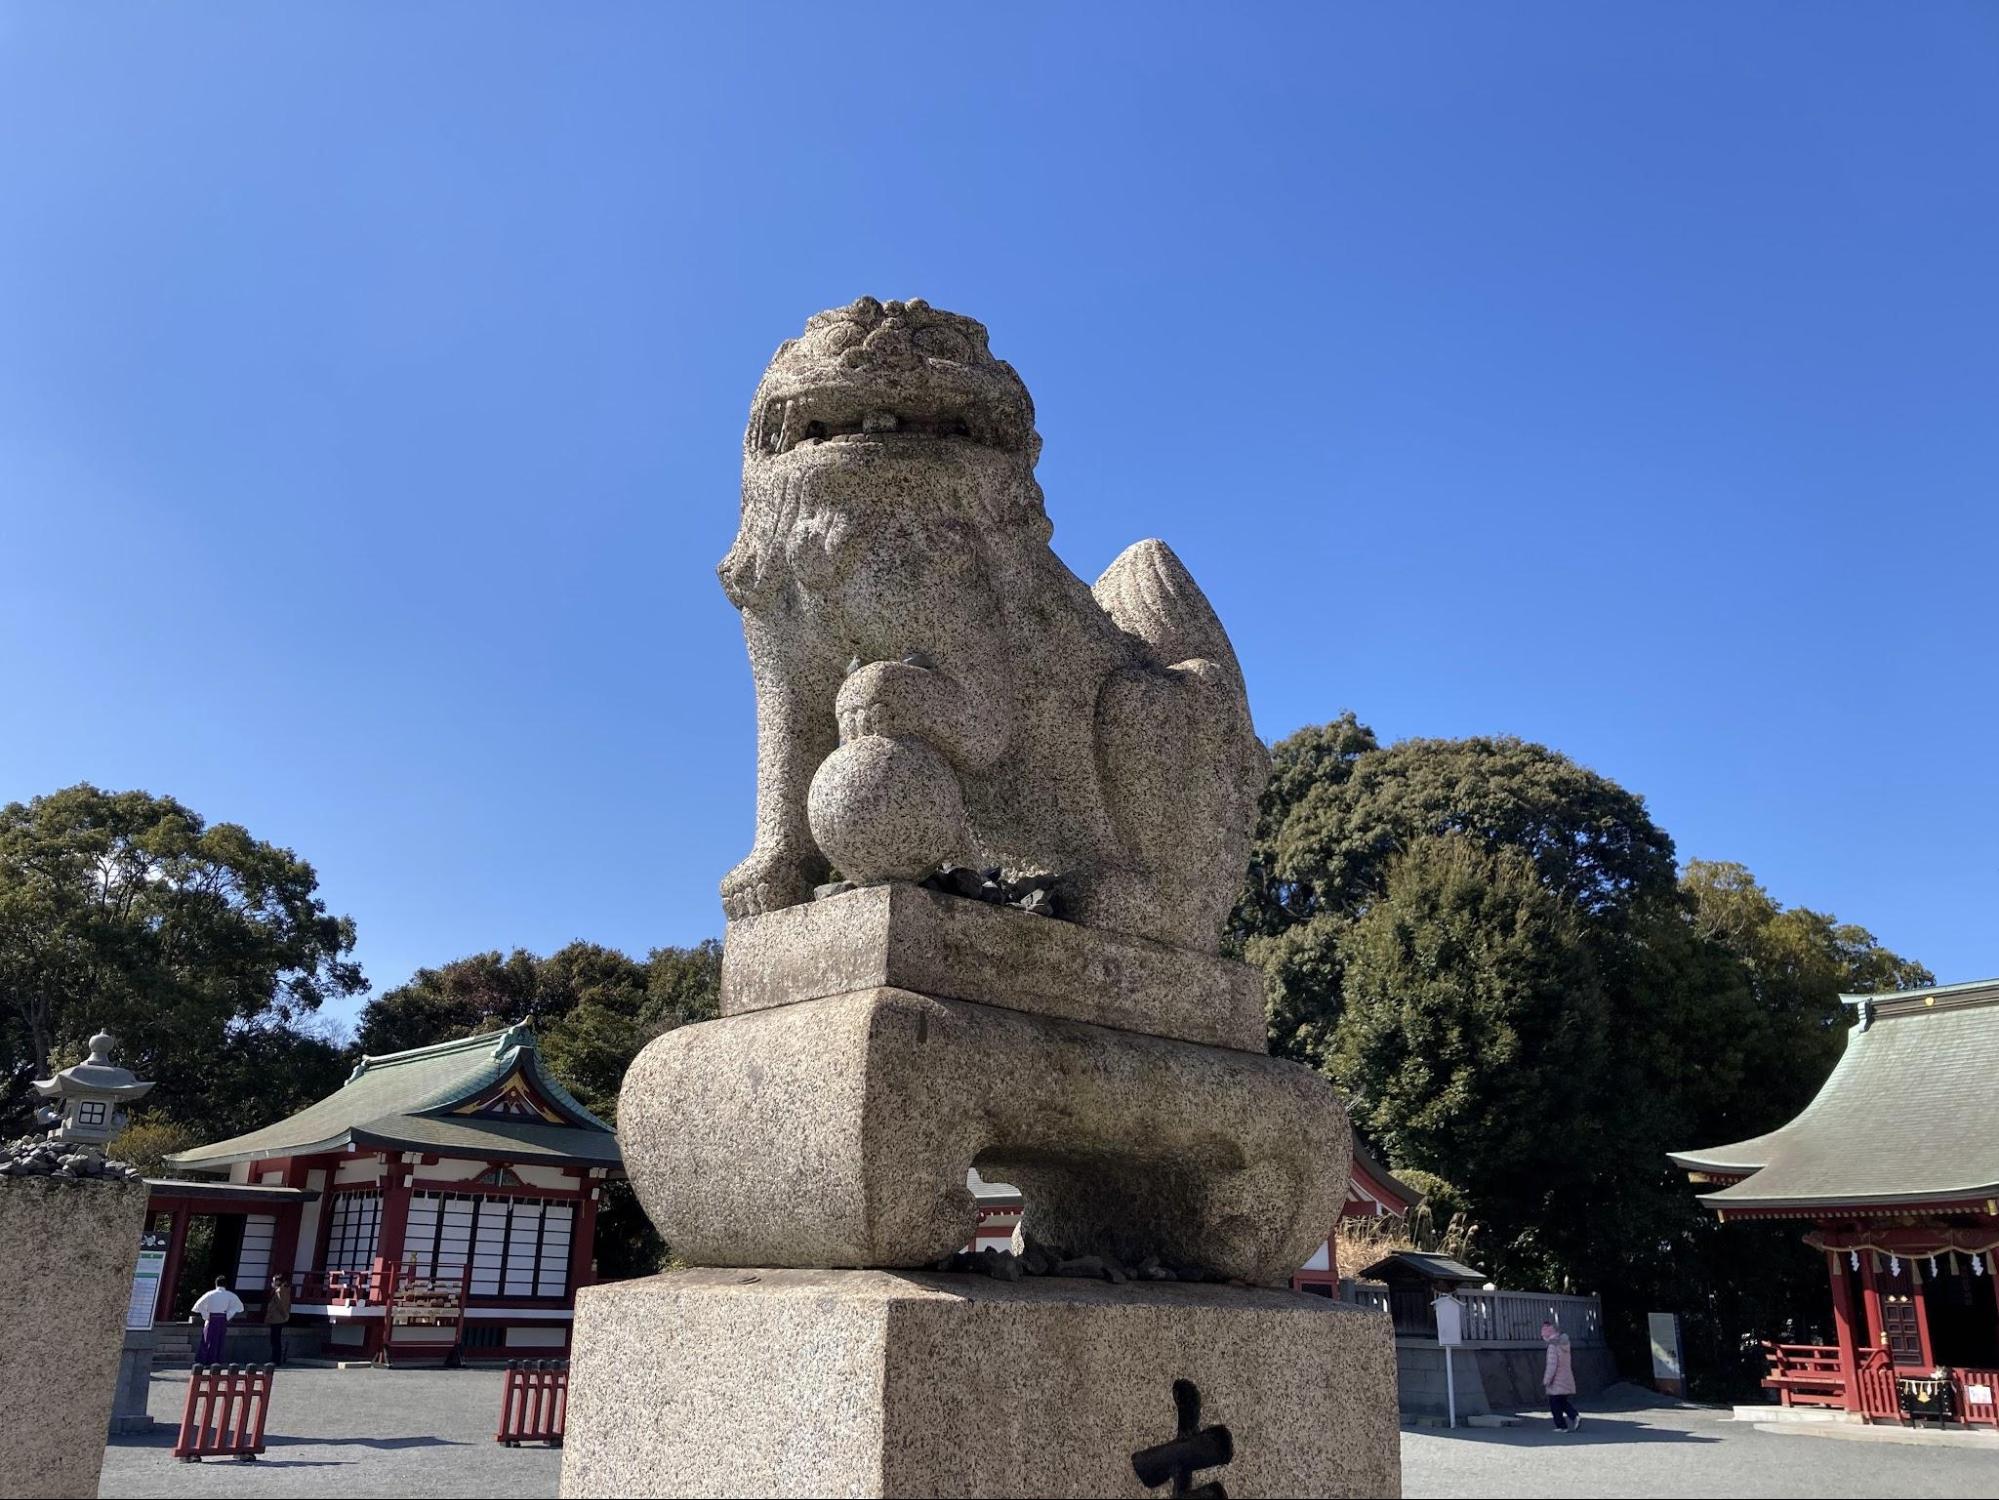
[[204, 950], [1472, 1017], [1340, 811], [1490, 948]]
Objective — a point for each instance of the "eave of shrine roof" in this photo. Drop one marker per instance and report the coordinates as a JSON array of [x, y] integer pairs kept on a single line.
[[1899, 1120]]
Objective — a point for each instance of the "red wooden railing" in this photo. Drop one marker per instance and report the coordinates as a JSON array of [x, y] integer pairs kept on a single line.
[[1807, 1374], [376, 1286], [1874, 1385], [223, 1416], [534, 1403], [1986, 1412], [341, 1288], [1811, 1375]]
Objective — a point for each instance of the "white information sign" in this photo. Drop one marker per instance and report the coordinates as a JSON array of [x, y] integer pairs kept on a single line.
[[1450, 1320], [146, 1278]]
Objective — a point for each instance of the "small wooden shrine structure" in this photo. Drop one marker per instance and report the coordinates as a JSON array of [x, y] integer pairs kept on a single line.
[[444, 1200], [1893, 1170]]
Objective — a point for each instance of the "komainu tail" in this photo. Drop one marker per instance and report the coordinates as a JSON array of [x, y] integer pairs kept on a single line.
[[1149, 593]]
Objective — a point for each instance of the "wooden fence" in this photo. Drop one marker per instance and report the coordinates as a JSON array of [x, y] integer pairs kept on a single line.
[[1493, 1320]]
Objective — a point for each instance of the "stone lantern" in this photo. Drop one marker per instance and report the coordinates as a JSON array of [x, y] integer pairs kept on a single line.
[[86, 1097]]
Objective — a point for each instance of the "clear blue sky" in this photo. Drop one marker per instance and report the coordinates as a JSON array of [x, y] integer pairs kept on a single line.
[[1623, 377]]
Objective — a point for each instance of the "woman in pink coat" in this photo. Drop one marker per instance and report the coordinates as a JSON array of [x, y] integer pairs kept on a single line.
[[1559, 1380]]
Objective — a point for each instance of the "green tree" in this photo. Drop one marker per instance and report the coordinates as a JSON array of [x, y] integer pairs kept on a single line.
[[147, 1143], [204, 950], [1796, 963], [1490, 947], [481, 992], [1473, 1027], [1339, 810]]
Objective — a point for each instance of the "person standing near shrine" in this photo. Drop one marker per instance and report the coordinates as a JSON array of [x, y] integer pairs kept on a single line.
[[277, 1313], [212, 1310], [1558, 1379]]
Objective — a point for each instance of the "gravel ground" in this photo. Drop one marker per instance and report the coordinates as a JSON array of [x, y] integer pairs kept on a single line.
[[346, 1432], [430, 1432], [1627, 1446]]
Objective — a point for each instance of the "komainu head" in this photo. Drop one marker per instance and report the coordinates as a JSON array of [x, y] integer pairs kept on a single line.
[[882, 414], [888, 372]]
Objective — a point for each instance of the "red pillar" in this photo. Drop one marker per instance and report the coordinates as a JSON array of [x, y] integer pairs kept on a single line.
[[284, 1237], [395, 1218], [170, 1272], [389, 1246], [1842, 1324], [1877, 1335]]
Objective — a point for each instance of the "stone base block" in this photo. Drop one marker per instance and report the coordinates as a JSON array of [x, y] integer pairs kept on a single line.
[[838, 1132], [135, 1383], [788, 1382], [900, 936], [67, 1252]]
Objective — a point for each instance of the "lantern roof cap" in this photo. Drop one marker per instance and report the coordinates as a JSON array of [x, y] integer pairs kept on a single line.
[[96, 1075]]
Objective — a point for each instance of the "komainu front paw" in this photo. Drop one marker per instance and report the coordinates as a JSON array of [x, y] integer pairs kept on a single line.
[[894, 699], [769, 882]]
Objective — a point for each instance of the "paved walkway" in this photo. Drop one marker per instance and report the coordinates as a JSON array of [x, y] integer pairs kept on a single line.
[[430, 1432], [347, 1432], [1628, 1447]]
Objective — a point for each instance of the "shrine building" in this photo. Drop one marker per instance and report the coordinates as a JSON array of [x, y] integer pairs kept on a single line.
[[1372, 1191], [446, 1195], [1893, 1173]]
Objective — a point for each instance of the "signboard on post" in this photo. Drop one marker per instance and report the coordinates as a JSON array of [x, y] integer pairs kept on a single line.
[[1450, 1314], [1668, 1363], [1450, 1319], [146, 1278]]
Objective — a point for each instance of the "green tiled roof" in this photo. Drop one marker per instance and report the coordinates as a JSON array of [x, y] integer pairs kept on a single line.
[[1903, 1118], [404, 1100]]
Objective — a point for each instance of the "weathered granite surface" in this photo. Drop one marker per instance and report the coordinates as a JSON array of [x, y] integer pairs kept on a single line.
[[953, 949], [934, 684], [837, 1132], [67, 1252], [780, 1382], [133, 1387]]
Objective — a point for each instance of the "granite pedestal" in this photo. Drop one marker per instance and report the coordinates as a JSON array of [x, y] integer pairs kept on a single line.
[[129, 1411], [837, 1132], [67, 1252], [881, 1383]]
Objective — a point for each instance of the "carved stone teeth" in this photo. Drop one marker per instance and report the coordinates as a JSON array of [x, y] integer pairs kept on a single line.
[[880, 421], [786, 435]]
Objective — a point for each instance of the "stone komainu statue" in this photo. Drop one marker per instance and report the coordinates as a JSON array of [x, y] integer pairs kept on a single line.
[[934, 685]]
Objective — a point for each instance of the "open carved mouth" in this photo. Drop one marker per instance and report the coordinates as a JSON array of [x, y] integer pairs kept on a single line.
[[811, 418]]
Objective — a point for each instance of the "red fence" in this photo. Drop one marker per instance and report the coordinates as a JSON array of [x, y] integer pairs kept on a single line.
[[1806, 1374], [1811, 1375], [379, 1284], [1978, 1382], [534, 1403], [224, 1413], [1874, 1384]]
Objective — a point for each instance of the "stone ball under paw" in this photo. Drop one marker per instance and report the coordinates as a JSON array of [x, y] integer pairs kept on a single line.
[[886, 808]]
